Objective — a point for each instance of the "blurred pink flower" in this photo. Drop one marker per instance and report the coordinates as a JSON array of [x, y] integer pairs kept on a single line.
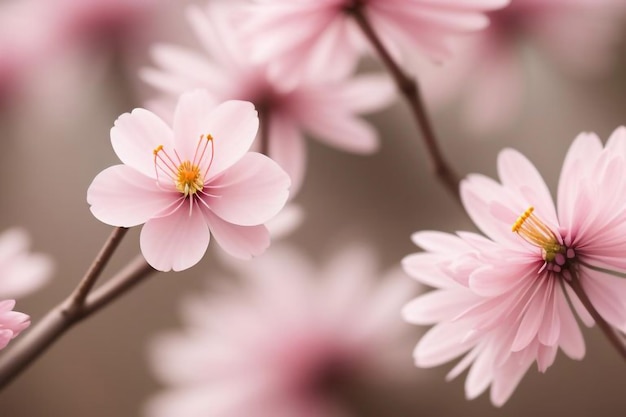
[[26, 38], [504, 298], [487, 71], [319, 36], [21, 271], [286, 343], [11, 322], [327, 110], [189, 180]]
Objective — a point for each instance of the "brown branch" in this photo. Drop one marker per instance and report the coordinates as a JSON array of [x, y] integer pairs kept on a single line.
[[64, 316], [409, 88]]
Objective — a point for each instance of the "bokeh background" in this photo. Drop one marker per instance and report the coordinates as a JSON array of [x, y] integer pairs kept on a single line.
[[54, 138]]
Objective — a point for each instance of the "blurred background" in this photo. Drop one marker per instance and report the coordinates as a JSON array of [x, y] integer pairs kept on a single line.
[[55, 117]]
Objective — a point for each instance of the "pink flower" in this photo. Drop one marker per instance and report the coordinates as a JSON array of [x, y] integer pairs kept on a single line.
[[190, 179], [319, 36], [11, 322], [281, 345], [487, 72], [326, 110], [21, 271], [503, 300]]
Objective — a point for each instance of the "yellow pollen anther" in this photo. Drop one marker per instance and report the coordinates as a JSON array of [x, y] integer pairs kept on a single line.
[[535, 232], [157, 149]]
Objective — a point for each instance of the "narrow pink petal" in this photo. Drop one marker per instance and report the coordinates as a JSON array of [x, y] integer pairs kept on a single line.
[[345, 132], [507, 378], [480, 374], [250, 192], [368, 93], [233, 125], [532, 319], [122, 196], [238, 241], [520, 175], [134, 137], [441, 344], [550, 328], [570, 338], [436, 306], [440, 242], [177, 241], [287, 148]]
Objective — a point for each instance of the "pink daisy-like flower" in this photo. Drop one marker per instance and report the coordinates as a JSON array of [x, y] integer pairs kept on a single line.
[[487, 72], [189, 181], [503, 300], [11, 322], [319, 36], [326, 110], [21, 271], [285, 343]]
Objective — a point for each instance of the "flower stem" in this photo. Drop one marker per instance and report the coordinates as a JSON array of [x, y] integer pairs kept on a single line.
[[603, 270], [264, 128], [608, 330], [65, 315], [411, 92]]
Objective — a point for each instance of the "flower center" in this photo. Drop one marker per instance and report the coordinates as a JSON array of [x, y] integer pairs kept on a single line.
[[189, 180], [537, 233], [186, 175]]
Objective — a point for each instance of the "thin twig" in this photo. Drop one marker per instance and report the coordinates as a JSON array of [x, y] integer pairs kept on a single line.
[[91, 276], [63, 317], [606, 328], [411, 92]]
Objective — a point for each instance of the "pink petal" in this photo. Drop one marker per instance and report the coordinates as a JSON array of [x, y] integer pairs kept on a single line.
[[532, 319], [520, 175], [441, 344], [239, 241], [191, 121], [480, 374], [287, 148], [343, 131], [177, 241], [570, 338], [250, 192], [233, 125], [436, 306], [122, 196], [134, 137], [507, 378], [368, 93]]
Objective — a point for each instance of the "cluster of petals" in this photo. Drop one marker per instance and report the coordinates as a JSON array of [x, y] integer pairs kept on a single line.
[[11, 322], [277, 345], [189, 181], [21, 271], [328, 110], [312, 36], [504, 300], [487, 73]]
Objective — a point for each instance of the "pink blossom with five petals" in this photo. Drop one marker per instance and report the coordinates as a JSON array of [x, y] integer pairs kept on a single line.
[[190, 181], [504, 300], [327, 110]]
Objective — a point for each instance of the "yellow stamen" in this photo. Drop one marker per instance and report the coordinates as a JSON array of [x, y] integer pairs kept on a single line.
[[186, 175], [535, 232]]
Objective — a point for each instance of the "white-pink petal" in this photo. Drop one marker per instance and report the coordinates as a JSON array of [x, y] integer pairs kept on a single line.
[[177, 241], [250, 192], [121, 196], [134, 137]]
